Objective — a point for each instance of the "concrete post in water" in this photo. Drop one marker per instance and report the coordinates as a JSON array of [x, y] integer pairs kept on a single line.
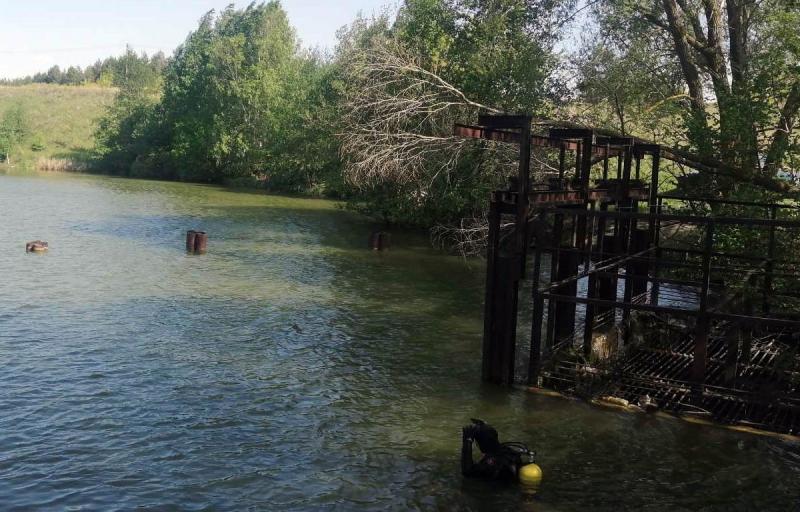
[[200, 242], [191, 235], [379, 240]]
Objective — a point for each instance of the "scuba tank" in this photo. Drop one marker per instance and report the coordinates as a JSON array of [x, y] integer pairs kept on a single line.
[[529, 474], [515, 456]]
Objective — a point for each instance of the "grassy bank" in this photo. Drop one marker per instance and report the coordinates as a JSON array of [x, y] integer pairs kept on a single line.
[[60, 122]]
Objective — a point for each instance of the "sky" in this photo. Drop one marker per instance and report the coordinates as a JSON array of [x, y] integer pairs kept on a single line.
[[36, 34]]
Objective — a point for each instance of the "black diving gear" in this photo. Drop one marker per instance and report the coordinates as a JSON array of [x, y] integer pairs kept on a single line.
[[500, 461]]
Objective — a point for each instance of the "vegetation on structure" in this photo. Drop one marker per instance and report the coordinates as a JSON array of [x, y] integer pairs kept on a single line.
[[241, 101]]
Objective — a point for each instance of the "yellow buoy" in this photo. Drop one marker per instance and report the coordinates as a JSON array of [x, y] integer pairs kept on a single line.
[[530, 475]]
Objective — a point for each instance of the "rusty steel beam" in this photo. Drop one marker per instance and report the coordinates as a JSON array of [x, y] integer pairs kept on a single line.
[[586, 273], [692, 219], [567, 197], [605, 140], [556, 197], [504, 120], [775, 322], [727, 201], [571, 133], [616, 304], [498, 135]]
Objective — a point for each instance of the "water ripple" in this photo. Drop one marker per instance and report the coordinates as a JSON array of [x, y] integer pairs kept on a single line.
[[289, 369]]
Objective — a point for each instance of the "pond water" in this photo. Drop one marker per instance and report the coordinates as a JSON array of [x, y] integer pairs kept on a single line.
[[290, 368]]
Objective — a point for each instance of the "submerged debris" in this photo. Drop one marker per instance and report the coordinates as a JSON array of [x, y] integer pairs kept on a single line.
[[36, 246]]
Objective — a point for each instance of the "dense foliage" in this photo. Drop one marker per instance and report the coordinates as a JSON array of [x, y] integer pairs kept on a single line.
[[13, 128], [239, 99], [241, 102], [718, 77], [440, 63]]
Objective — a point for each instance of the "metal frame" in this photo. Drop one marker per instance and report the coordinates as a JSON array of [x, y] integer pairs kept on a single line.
[[599, 236]]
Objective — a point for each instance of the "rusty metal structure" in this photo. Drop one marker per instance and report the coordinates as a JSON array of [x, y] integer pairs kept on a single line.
[[634, 295]]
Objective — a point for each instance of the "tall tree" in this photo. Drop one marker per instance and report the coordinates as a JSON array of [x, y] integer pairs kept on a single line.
[[740, 77], [441, 62]]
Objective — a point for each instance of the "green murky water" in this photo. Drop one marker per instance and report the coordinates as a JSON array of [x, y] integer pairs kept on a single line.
[[291, 369]]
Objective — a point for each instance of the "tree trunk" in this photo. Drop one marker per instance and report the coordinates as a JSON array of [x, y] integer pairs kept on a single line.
[[747, 141], [698, 131], [783, 129]]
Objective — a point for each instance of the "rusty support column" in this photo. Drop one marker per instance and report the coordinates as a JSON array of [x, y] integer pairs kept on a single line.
[[504, 336], [500, 314], [769, 266], [639, 268], [535, 355], [607, 283], [558, 224], [200, 242], [585, 171], [521, 224], [505, 270], [493, 247], [733, 337], [568, 262], [654, 225], [591, 288], [190, 237], [624, 241], [703, 323]]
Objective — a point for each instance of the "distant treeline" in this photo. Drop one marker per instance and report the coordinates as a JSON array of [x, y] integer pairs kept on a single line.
[[112, 71], [242, 101]]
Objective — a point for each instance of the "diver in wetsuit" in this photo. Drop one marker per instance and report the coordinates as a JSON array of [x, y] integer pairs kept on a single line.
[[500, 461]]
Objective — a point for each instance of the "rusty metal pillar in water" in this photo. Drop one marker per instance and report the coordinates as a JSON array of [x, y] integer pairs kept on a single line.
[[535, 355], [190, 238], [585, 241], [584, 172], [733, 339], [703, 324], [654, 225], [770, 263], [504, 328], [627, 225], [568, 262], [505, 270], [493, 247], [591, 289], [379, 240], [524, 172], [639, 267], [558, 227], [607, 281], [200, 242]]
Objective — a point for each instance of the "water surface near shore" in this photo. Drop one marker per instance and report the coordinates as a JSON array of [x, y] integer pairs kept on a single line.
[[291, 369]]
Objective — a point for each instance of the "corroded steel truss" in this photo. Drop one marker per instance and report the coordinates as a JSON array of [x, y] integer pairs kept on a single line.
[[642, 300]]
